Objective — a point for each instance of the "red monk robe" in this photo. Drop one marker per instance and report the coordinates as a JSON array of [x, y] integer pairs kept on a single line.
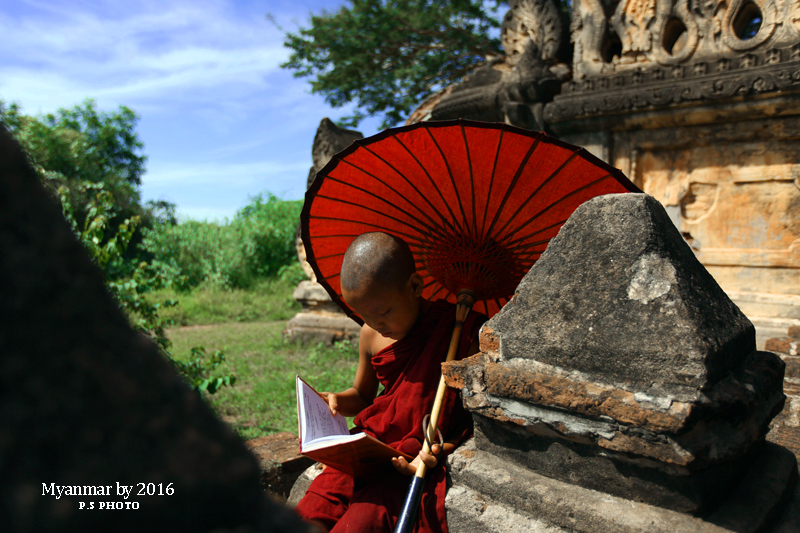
[[409, 371]]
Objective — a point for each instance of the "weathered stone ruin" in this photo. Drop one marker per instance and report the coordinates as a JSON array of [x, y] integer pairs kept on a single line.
[[785, 428], [623, 393], [698, 103], [86, 403], [320, 320]]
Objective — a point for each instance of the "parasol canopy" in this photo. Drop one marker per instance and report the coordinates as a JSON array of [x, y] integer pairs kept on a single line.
[[476, 202]]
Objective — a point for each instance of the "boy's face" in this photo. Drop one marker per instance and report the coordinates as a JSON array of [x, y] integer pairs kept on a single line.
[[391, 311]]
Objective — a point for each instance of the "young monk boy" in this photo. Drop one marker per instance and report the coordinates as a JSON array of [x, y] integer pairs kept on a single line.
[[403, 342]]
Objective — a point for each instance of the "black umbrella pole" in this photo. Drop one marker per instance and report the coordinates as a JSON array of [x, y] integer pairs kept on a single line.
[[405, 522]]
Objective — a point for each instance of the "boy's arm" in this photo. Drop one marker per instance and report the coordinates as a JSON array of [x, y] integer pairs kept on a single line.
[[352, 401]]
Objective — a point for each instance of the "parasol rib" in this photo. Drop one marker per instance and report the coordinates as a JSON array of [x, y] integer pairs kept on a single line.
[[452, 179], [382, 199], [382, 213], [536, 191], [431, 181], [471, 182], [376, 226], [399, 173], [491, 181], [514, 182], [576, 191]]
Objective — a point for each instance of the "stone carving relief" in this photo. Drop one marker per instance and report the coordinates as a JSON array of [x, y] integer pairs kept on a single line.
[[633, 21], [698, 200], [657, 53], [617, 36], [738, 15], [515, 87], [733, 196]]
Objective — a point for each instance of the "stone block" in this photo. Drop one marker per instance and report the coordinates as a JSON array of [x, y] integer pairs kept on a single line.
[[783, 345], [279, 459], [311, 293], [303, 482], [618, 294], [321, 326], [620, 365], [89, 402]]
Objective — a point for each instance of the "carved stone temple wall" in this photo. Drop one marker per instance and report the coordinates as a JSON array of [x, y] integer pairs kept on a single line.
[[696, 101], [699, 105]]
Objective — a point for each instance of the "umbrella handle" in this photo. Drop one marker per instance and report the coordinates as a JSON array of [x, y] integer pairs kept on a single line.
[[408, 515]]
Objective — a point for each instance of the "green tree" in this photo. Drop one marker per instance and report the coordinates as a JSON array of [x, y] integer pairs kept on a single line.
[[92, 163], [389, 55], [83, 145]]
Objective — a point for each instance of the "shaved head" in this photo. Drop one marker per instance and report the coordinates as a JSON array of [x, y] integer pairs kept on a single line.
[[376, 257]]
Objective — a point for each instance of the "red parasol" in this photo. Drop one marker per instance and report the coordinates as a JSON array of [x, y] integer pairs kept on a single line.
[[476, 202]]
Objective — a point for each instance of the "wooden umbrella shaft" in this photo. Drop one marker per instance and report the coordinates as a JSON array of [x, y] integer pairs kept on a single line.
[[465, 302], [405, 523]]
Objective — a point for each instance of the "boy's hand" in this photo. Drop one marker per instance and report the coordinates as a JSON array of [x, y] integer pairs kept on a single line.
[[409, 469], [333, 401]]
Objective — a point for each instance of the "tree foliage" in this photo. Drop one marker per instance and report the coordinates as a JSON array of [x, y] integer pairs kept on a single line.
[[82, 145], [389, 55]]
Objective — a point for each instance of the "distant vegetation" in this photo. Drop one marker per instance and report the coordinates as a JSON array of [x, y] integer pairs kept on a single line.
[[257, 244]]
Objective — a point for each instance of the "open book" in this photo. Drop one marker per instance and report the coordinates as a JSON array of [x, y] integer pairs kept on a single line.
[[326, 439]]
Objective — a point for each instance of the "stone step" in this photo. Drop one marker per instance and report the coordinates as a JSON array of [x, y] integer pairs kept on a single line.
[[469, 511], [485, 486]]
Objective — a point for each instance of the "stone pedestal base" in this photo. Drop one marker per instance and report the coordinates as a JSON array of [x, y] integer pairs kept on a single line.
[[617, 474], [321, 326], [492, 494], [321, 320]]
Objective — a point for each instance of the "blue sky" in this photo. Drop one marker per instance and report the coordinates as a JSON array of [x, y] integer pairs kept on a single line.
[[220, 120]]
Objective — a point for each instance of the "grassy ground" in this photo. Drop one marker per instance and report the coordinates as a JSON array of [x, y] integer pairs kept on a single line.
[[262, 401], [268, 300]]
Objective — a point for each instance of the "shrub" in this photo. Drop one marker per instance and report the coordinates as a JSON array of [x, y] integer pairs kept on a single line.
[[258, 243]]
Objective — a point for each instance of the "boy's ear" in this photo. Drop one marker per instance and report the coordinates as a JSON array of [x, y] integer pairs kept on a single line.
[[416, 284]]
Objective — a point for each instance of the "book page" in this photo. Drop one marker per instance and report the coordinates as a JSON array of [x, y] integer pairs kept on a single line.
[[316, 420]]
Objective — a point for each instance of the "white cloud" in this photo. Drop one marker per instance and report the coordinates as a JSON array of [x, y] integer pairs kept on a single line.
[[151, 51]]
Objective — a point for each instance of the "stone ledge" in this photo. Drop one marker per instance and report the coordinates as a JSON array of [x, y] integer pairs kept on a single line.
[[758, 499], [689, 435], [471, 512]]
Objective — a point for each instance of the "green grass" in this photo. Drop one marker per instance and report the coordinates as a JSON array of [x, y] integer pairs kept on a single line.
[[269, 300], [262, 401]]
